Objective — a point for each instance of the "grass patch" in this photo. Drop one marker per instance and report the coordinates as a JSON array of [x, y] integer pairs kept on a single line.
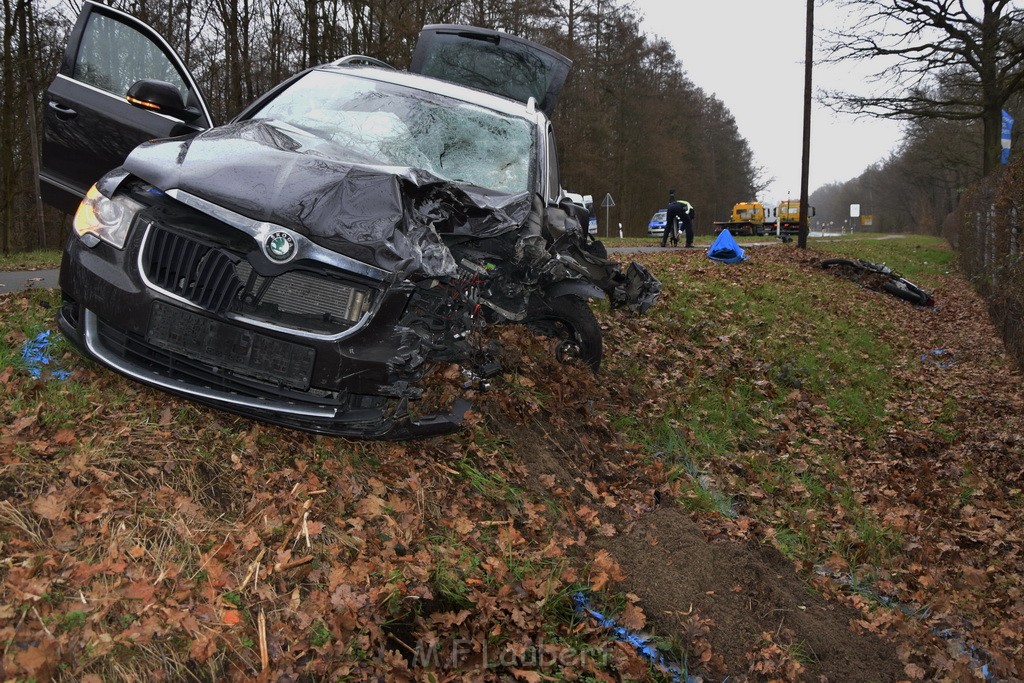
[[914, 256], [454, 563], [72, 621], [319, 634], [38, 259], [769, 352], [489, 484]]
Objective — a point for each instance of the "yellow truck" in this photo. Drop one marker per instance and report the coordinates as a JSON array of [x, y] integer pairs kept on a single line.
[[788, 215], [748, 218]]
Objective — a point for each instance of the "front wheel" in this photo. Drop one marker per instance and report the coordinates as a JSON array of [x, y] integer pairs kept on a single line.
[[571, 325]]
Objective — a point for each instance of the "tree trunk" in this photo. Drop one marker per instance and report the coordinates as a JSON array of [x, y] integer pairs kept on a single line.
[[992, 126], [26, 59], [33, 151], [992, 102], [312, 34], [7, 132]]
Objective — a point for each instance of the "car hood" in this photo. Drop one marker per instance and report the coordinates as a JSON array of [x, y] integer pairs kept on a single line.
[[387, 216]]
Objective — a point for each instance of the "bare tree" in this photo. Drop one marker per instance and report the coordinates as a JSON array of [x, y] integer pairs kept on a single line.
[[630, 122], [939, 59], [8, 128]]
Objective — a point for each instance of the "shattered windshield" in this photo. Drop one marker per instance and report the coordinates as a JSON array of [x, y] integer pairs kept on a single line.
[[391, 125]]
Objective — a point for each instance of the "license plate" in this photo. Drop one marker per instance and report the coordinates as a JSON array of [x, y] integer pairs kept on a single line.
[[229, 347]]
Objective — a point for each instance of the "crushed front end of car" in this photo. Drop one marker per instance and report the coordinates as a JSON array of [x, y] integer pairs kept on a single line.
[[202, 307]]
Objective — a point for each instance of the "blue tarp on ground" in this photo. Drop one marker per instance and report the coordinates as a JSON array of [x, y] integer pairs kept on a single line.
[[725, 249]]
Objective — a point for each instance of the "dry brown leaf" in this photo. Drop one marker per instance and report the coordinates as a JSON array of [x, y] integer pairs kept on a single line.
[[52, 507], [914, 672], [633, 617], [65, 437], [139, 590], [39, 660]]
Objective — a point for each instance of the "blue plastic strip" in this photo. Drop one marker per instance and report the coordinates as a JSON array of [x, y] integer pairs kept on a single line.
[[36, 354], [641, 642]]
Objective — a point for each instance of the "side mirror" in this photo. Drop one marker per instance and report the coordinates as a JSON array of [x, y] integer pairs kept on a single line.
[[812, 210], [160, 96]]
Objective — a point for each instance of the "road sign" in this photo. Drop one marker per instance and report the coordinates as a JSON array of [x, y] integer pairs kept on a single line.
[[606, 203], [854, 210]]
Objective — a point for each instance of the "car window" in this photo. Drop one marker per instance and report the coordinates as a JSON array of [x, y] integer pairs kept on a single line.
[[388, 124], [113, 56], [501, 64]]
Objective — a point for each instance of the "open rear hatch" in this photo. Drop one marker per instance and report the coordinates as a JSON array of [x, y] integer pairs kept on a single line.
[[492, 61]]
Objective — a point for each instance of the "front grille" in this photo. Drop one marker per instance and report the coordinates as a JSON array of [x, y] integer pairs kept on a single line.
[[198, 272], [221, 281], [299, 298]]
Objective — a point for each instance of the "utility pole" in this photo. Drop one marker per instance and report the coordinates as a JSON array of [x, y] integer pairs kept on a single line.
[[806, 161]]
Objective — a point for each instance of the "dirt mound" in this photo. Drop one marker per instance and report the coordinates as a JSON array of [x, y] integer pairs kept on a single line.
[[743, 589], [724, 608]]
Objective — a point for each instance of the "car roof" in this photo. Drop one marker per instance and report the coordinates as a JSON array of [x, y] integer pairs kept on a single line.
[[434, 85]]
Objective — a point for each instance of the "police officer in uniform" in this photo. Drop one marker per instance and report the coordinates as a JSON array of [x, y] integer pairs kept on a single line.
[[679, 213]]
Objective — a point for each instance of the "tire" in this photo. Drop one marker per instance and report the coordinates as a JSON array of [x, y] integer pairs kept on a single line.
[[568, 321], [908, 291], [853, 270]]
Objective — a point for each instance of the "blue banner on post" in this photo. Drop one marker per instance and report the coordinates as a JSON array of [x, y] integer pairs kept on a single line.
[[1007, 130]]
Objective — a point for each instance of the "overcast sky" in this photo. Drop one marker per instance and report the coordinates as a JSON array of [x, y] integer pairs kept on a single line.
[[750, 54]]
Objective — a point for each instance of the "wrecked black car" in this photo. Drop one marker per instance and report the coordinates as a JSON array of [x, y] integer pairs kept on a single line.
[[306, 263]]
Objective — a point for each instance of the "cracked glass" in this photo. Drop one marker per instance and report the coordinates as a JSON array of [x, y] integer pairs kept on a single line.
[[391, 125]]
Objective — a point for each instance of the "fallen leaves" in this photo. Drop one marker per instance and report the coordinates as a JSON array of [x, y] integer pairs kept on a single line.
[[262, 550]]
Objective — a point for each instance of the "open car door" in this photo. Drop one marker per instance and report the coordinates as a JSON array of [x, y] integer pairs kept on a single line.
[[119, 84], [492, 61]]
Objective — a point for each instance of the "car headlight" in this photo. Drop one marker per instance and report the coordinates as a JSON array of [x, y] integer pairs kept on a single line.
[[106, 219]]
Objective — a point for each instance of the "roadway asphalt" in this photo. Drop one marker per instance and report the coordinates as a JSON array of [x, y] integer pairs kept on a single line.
[[16, 280]]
